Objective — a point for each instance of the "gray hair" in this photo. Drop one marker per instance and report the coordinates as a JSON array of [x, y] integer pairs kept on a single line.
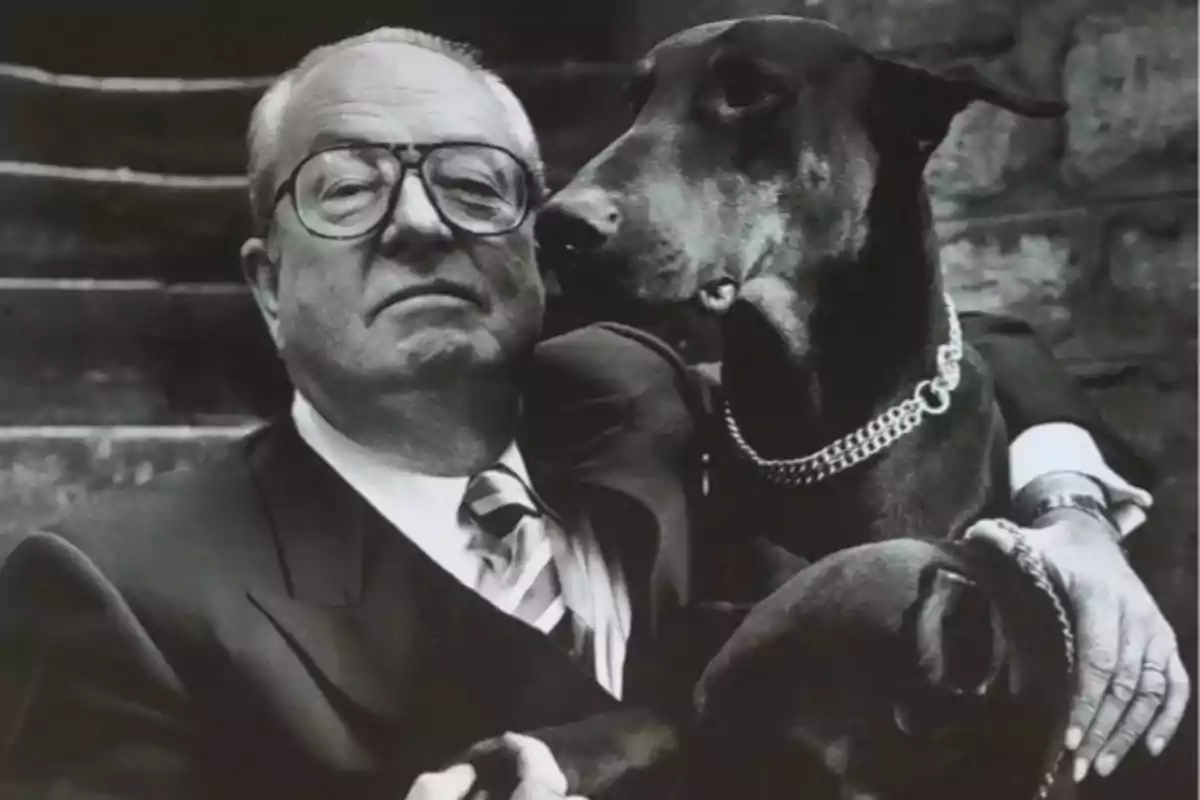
[[262, 136]]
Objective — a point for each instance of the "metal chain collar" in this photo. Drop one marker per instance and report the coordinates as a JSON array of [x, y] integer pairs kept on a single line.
[[931, 397], [1034, 566]]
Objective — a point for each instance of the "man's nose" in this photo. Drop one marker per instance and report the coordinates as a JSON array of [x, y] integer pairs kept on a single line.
[[414, 217], [576, 221]]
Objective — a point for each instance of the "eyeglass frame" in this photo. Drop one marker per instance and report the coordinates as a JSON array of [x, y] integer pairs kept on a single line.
[[399, 152]]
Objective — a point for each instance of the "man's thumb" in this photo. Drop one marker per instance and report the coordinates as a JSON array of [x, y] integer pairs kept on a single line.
[[536, 768]]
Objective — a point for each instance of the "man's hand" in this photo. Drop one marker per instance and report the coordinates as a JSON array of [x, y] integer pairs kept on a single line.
[[449, 784], [537, 775], [1131, 680]]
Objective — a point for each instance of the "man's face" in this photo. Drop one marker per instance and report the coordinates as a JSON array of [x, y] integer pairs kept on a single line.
[[414, 302]]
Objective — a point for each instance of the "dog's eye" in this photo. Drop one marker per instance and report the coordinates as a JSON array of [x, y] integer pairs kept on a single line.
[[742, 88]]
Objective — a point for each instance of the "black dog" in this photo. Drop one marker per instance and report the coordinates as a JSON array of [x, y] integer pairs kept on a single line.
[[774, 174]]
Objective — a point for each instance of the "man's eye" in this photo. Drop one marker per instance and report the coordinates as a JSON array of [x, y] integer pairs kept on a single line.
[[470, 186], [344, 189]]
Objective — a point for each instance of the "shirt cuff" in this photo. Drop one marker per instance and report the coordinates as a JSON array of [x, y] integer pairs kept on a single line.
[[1066, 447]]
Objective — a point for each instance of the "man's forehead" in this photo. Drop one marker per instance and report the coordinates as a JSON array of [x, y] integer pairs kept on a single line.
[[398, 63], [393, 91]]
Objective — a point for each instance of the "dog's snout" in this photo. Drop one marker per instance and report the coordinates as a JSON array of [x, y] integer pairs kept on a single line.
[[577, 221]]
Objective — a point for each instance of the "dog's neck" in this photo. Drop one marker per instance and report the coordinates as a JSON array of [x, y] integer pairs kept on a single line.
[[872, 336]]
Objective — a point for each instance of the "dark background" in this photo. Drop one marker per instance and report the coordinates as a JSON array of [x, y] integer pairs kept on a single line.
[[197, 39], [128, 345]]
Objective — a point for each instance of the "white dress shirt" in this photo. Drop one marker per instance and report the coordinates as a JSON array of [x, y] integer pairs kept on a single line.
[[1063, 446], [425, 509]]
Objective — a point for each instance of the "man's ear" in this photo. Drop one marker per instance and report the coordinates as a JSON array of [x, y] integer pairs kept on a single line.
[[960, 642], [919, 102], [262, 274]]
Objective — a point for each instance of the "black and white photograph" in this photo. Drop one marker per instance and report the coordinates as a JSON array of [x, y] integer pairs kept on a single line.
[[641, 400]]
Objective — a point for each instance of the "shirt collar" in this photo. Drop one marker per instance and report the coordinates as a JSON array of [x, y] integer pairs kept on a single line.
[[423, 507], [315, 428]]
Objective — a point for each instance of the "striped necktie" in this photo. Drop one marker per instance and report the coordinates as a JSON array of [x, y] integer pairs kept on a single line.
[[518, 548]]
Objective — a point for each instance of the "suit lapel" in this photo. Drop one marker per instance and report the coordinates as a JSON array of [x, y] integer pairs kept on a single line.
[[346, 608], [370, 614], [384, 628]]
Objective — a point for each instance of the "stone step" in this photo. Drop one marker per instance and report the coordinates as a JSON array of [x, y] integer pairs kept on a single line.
[[198, 126], [133, 352], [157, 124], [43, 469], [104, 223]]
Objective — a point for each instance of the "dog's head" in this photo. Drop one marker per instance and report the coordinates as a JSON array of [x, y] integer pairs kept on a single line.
[[750, 168], [902, 670]]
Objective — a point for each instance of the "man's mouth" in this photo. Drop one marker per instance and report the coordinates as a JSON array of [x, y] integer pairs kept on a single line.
[[437, 289], [717, 296]]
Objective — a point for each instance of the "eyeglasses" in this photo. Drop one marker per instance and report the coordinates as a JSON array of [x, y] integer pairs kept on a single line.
[[347, 191]]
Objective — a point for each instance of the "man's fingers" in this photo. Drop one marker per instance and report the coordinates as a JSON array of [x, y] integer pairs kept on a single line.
[[1151, 692], [515, 759], [1098, 639], [1118, 695], [1178, 691], [535, 763], [449, 784]]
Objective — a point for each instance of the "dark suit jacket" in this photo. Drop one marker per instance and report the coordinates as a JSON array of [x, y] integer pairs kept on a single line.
[[254, 629]]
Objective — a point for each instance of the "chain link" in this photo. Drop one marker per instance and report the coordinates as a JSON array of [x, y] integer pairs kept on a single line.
[[1034, 566], [931, 397]]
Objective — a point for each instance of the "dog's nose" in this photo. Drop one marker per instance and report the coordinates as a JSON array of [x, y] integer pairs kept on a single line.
[[576, 221]]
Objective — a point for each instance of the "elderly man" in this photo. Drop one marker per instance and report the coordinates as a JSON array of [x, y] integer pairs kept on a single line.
[[456, 533]]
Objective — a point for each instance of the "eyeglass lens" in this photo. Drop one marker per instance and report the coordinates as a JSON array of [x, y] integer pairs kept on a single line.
[[345, 192]]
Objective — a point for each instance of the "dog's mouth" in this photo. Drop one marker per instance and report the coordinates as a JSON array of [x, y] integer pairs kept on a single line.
[[717, 296]]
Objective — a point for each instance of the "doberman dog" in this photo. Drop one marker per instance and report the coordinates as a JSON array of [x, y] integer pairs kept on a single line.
[[774, 175]]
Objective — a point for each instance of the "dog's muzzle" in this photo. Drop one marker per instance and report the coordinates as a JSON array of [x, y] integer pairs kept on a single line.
[[576, 223]]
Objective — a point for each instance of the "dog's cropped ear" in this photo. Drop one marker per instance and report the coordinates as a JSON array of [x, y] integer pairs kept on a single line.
[[959, 640], [921, 101]]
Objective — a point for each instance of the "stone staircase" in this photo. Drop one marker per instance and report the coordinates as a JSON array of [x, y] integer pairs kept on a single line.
[[129, 344]]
